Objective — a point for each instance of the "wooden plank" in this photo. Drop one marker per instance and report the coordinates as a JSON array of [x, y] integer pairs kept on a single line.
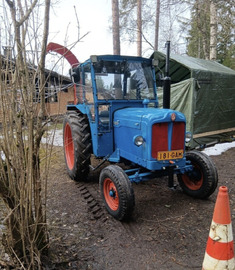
[[211, 133]]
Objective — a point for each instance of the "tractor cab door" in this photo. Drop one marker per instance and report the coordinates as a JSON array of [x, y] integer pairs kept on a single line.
[[98, 113], [104, 130]]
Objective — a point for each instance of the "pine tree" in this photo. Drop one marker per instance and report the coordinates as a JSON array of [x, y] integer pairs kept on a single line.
[[212, 30], [199, 33], [115, 27], [226, 34]]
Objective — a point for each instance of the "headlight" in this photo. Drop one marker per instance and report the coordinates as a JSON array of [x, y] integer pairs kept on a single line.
[[188, 137], [138, 140]]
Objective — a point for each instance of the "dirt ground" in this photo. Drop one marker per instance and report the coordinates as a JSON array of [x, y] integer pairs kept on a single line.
[[168, 230]]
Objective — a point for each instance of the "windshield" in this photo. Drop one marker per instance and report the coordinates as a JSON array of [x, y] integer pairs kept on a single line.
[[124, 80]]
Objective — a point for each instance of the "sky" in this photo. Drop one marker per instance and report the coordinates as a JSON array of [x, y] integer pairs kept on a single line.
[[94, 19]]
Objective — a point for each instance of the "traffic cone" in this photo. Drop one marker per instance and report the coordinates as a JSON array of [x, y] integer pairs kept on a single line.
[[219, 253]]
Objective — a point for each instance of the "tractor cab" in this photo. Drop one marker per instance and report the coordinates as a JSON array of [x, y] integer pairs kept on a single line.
[[110, 83]]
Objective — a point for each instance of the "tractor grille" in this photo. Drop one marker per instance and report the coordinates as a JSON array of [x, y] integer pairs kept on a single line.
[[160, 134]]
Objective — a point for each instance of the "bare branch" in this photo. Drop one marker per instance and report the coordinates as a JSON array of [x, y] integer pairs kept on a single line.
[[29, 11], [78, 26], [10, 3]]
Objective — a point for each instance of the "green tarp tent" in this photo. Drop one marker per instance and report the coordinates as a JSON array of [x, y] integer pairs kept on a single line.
[[205, 92]]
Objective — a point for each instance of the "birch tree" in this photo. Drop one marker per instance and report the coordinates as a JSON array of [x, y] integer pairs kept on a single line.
[[139, 27], [157, 26]]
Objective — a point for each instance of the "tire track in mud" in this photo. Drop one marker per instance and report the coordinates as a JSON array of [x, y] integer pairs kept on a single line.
[[96, 207], [126, 236]]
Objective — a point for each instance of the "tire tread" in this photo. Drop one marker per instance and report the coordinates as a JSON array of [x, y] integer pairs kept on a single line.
[[82, 145]]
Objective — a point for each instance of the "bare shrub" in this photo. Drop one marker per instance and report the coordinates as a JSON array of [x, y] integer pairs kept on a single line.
[[22, 185]]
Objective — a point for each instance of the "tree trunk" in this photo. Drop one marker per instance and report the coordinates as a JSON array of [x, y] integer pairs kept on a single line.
[[115, 27], [157, 25], [139, 27], [42, 60], [41, 231], [202, 26], [213, 30]]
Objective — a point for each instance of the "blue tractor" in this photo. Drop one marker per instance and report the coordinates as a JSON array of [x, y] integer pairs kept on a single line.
[[115, 117]]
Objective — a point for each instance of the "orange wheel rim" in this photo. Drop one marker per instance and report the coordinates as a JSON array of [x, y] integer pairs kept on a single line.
[[68, 146], [111, 194], [193, 182]]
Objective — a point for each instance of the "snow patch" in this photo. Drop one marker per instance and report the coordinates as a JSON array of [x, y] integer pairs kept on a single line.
[[54, 137], [218, 149]]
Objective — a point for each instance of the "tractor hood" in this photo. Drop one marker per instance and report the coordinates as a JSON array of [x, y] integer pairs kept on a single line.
[[136, 117], [139, 133]]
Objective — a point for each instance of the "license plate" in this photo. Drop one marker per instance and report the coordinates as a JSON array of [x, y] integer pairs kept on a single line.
[[167, 155]]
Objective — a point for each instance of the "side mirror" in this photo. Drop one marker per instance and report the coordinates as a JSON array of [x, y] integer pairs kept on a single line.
[[75, 74], [94, 58], [155, 62]]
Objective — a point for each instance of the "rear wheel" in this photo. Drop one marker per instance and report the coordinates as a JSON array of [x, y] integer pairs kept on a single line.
[[202, 181], [77, 145], [117, 192]]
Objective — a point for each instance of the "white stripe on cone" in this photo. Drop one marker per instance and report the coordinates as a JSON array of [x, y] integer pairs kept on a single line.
[[221, 233], [210, 263]]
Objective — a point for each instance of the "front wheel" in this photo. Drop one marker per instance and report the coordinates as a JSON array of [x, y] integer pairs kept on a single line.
[[202, 181], [117, 192]]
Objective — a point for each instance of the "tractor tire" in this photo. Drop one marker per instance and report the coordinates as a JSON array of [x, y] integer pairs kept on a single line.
[[117, 192], [215, 177], [202, 181], [77, 145]]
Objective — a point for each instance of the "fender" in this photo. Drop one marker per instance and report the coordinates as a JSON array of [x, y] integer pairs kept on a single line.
[[71, 58], [68, 55]]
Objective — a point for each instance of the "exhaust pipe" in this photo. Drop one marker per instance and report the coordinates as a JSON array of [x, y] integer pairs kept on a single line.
[[167, 80]]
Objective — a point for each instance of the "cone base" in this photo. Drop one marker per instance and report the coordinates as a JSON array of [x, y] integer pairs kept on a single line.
[[210, 263]]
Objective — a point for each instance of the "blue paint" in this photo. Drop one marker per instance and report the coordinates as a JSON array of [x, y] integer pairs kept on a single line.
[[125, 86]]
